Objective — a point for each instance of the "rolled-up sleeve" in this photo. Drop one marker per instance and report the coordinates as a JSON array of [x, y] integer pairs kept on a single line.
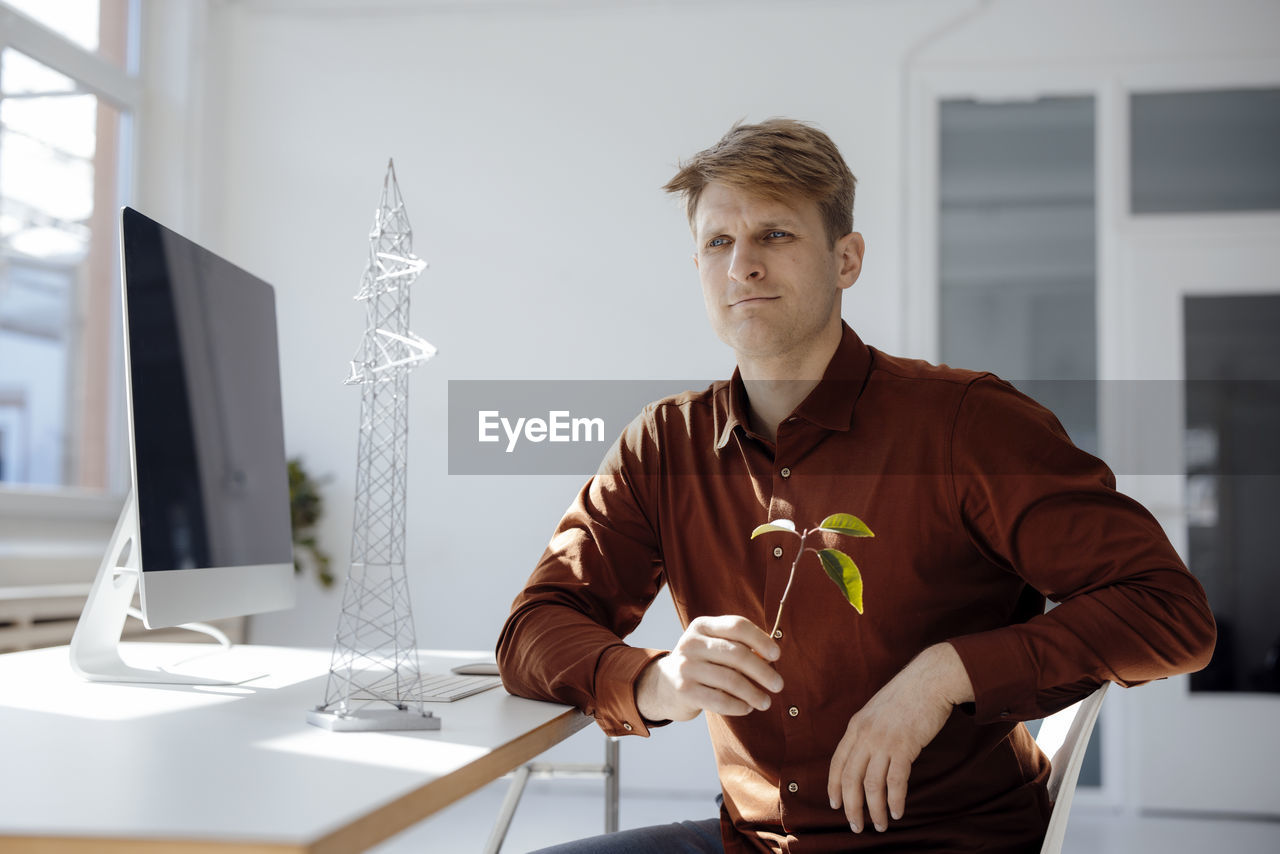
[[1129, 610]]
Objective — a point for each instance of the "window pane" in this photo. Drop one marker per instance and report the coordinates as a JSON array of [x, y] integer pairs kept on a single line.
[[1016, 262], [58, 193], [75, 19], [1232, 357], [101, 26], [1205, 151]]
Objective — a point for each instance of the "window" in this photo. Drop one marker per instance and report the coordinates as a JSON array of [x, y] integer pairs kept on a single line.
[[66, 105], [1016, 257], [1202, 152]]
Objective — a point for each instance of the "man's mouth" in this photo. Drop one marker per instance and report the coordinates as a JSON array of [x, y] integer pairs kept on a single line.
[[751, 301]]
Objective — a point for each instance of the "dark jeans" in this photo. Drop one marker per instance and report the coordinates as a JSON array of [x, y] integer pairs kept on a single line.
[[686, 837]]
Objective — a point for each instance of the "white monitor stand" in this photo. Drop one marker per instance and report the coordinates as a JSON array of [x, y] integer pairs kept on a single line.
[[95, 646]]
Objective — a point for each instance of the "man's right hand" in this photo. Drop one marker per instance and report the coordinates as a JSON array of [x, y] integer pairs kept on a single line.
[[720, 664]]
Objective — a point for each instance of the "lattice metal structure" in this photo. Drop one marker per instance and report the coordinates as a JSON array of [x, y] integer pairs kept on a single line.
[[374, 678]]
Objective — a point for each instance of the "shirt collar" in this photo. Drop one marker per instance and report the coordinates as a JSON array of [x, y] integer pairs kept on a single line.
[[829, 405]]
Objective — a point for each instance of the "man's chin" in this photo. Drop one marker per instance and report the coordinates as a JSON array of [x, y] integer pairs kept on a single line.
[[754, 339], [759, 343]]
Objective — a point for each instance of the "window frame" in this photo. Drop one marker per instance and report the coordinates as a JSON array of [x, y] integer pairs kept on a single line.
[[122, 88]]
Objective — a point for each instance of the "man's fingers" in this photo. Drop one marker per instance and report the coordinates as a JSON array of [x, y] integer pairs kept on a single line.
[[873, 784], [834, 791], [851, 777], [739, 658], [899, 773], [741, 630], [728, 642], [880, 788], [725, 680], [718, 702]]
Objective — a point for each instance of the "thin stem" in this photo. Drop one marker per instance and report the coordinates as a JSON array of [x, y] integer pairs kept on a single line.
[[799, 553]]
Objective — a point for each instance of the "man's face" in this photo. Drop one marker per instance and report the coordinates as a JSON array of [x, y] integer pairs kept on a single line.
[[771, 279]]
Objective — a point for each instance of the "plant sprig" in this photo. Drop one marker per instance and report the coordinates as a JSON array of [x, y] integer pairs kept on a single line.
[[839, 567]]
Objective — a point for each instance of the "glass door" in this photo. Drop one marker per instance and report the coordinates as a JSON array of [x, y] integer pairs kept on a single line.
[[1231, 347], [1199, 415]]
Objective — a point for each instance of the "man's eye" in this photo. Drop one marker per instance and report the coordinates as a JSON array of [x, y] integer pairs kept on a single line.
[[776, 235], [717, 241]]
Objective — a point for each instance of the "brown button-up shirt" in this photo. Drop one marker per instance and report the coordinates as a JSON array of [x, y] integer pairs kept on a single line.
[[981, 507]]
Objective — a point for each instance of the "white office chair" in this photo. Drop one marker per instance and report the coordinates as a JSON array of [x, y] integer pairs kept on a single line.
[[1063, 737]]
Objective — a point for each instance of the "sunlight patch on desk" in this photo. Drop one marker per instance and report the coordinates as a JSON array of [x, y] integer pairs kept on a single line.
[[250, 667], [384, 750], [105, 701], [64, 693]]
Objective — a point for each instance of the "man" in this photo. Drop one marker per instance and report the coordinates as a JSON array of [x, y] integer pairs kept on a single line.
[[895, 729]]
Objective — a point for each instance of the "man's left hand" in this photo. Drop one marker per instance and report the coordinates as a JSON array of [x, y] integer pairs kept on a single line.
[[873, 759]]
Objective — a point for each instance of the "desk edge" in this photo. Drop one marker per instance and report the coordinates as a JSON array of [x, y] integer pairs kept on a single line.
[[408, 810]]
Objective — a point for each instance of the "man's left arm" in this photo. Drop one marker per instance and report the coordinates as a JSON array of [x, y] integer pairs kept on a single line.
[[1033, 503], [1128, 609]]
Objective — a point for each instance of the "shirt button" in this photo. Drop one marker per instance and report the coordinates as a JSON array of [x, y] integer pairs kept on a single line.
[[627, 727], [793, 788], [793, 711], [778, 633], [1005, 713], [786, 472], [777, 551]]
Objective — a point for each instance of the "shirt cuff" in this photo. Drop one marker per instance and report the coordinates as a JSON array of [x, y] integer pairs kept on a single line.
[[615, 695], [1002, 673]]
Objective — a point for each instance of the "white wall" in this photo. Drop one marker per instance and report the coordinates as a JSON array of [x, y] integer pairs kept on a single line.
[[530, 140]]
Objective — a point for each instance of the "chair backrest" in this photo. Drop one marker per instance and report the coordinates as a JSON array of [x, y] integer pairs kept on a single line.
[[1063, 737]]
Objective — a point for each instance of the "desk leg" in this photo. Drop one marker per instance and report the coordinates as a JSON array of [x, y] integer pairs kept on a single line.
[[611, 780], [508, 811], [609, 770]]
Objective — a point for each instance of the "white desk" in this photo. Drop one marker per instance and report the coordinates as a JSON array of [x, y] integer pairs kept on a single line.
[[105, 768]]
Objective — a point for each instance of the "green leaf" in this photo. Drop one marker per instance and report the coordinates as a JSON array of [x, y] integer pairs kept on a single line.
[[785, 525], [841, 569], [845, 523]]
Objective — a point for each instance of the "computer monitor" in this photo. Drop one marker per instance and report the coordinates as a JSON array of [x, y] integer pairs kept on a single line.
[[205, 531]]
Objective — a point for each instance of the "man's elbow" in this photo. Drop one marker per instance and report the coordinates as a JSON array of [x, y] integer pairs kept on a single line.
[[1190, 630], [508, 657], [1202, 638]]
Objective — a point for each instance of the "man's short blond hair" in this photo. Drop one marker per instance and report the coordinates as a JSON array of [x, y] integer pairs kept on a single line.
[[779, 159]]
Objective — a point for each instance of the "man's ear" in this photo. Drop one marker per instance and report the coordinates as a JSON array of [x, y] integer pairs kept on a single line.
[[696, 265], [849, 251]]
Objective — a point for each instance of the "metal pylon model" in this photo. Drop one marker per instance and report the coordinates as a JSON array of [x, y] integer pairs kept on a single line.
[[374, 679]]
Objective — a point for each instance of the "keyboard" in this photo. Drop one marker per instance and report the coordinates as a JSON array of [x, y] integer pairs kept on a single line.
[[447, 687]]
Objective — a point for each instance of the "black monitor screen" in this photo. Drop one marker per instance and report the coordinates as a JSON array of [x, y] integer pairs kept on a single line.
[[204, 378]]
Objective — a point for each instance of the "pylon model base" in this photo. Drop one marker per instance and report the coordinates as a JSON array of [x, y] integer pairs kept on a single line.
[[374, 720]]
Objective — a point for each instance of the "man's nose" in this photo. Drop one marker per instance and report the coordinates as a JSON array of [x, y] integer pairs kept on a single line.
[[746, 264]]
